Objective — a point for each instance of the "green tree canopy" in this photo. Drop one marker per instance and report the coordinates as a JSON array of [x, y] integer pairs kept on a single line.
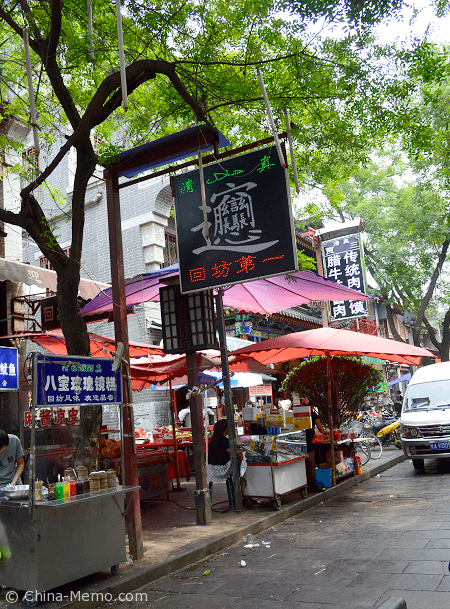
[[352, 381]]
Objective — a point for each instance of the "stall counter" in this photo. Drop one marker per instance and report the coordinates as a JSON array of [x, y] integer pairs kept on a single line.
[[62, 542]]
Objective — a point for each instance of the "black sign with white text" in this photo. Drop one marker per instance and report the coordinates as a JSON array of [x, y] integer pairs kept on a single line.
[[343, 263], [248, 217]]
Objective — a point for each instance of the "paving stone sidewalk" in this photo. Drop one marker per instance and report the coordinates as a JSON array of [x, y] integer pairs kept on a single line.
[[388, 537]]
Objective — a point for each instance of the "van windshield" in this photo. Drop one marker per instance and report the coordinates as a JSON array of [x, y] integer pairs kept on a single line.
[[427, 396]]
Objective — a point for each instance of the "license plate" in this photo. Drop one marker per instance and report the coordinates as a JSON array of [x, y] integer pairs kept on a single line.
[[440, 445]]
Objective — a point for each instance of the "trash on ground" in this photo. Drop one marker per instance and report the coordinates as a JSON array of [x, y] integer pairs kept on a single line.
[[208, 572], [248, 538], [243, 563]]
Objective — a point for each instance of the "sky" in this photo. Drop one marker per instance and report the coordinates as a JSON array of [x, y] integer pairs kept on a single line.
[[406, 29]]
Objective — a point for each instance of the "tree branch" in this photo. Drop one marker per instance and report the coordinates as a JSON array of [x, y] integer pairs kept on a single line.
[[137, 73], [429, 293], [391, 323], [432, 333]]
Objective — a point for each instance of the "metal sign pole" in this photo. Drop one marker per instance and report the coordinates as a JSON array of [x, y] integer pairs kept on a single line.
[[235, 462], [32, 464]]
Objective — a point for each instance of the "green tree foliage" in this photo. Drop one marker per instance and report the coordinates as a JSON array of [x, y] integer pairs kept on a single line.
[[352, 381], [188, 63]]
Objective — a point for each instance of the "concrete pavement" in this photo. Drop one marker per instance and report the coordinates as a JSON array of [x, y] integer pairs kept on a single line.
[[173, 541], [386, 538]]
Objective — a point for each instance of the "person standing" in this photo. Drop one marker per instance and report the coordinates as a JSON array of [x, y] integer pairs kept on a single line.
[[11, 459], [219, 459], [311, 456]]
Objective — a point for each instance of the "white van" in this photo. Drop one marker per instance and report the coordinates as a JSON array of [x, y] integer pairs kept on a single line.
[[425, 418]]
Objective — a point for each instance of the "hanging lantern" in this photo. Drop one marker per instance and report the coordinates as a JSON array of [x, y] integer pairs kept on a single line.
[[188, 321]]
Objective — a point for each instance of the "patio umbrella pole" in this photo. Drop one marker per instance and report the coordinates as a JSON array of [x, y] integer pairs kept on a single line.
[[235, 463], [174, 435], [330, 420]]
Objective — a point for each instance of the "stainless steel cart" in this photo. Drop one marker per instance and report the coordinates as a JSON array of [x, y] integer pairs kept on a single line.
[[61, 542], [270, 480]]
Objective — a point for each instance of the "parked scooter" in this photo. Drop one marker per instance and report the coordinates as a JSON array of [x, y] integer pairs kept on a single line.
[[388, 432]]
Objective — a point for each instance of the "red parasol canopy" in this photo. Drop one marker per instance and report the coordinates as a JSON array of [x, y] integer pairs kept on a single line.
[[101, 346], [174, 367], [332, 341]]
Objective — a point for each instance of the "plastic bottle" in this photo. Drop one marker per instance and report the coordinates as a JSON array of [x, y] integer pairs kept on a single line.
[[248, 538], [73, 489], [66, 491], [59, 492]]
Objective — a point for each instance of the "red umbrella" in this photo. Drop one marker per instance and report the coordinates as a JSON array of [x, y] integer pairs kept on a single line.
[[101, 346], [332, 341]]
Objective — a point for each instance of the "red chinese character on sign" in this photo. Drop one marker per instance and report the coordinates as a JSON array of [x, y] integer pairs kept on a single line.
[[197, 274], [45, 415], [27, 418], [72, 416], [221, 270], [246, 263], [59, 417]]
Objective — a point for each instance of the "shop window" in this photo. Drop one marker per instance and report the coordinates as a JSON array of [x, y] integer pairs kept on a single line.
[[170, 250], [44, 263], [30, 162]]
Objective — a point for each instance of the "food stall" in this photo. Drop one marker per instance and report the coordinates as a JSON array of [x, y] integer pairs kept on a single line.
[[58, 541], [275, 467], [47, 542]]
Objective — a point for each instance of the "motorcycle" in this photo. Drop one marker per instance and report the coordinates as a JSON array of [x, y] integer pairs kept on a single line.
[[387, 429], [388, 432]]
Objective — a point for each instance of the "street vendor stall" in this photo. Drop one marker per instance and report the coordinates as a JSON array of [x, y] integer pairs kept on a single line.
[[330, 342], [78, 527], [275, 467], [59, 541]]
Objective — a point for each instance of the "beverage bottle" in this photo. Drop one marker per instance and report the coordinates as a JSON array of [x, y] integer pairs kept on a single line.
[[73, 489], [59, 492], [66, 491], [80, 487]]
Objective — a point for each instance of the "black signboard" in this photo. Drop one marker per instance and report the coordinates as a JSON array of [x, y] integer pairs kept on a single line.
[[343, 262], [249, 222]]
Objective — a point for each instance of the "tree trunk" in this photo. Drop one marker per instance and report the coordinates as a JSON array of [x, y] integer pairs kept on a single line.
[[444, 346], [429, 293], [393, 329]]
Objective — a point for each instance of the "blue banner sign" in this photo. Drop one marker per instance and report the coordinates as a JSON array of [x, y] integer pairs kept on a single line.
[[9, 370], [70, 379]]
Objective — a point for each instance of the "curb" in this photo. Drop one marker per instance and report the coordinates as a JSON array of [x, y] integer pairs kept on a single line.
[[201, 550]]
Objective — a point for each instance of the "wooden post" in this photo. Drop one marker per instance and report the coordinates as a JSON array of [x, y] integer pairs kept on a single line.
[[202, 494], [133, 515]]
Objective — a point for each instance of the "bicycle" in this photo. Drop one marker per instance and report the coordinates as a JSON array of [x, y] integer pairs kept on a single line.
[[362, 450], [364, 430], [376, 447]]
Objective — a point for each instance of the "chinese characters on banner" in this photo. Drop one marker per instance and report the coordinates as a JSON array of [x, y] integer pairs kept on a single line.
[[9, 377], [343, 263], [249, 219], [56, 417], [72, 380]]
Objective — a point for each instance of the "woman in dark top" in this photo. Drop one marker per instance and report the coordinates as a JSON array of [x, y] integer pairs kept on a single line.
[[219, 444], [219, 454], [311, 457]]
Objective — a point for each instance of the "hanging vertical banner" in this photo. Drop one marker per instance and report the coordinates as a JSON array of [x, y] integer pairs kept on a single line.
[[249, 219], [9, 369], [343, 260]]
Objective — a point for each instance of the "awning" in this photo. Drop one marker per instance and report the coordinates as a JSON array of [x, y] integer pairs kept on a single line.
[[19, 272], [405, 378]]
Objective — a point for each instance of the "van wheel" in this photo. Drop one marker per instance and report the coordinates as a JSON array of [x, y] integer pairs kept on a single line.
[[418, 464]]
